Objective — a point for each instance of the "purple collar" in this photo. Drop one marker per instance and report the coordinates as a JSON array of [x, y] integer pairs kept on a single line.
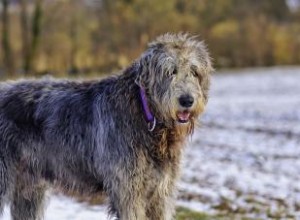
[[148, 114]]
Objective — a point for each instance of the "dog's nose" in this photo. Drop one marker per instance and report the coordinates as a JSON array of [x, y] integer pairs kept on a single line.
[[186, 101]]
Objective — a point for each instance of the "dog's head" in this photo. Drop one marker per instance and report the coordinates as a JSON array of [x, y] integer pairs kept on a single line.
[[175, 71]]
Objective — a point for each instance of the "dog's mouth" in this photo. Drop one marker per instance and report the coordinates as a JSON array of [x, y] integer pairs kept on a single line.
[[183, 117]]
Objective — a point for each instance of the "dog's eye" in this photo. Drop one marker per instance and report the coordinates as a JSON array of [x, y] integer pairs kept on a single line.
[[194, 72], [172, 73]]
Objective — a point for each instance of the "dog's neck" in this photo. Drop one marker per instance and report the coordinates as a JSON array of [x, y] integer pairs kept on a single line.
[[154, 123], [166, 140]]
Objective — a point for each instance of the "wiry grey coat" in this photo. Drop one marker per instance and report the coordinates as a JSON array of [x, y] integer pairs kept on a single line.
[[92, 136]]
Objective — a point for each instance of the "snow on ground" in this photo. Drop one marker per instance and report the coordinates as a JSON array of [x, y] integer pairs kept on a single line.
[[63, 208], [245, 159]]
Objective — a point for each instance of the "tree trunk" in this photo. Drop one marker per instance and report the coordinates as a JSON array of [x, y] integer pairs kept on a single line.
[[35, 38], [25, 37], [74, 45], [7, 54]]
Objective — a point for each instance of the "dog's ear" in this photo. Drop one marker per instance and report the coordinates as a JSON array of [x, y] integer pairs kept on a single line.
[[142, 70], [206, 67], [206, 78], [205, 84]]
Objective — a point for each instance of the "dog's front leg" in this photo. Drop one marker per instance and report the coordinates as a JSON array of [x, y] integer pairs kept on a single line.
[[126, 199], [160, 208]]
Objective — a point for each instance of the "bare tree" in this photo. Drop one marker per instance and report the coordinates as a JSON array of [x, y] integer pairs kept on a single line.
[[30, 34], [73, 33], [36, 29], [25, 36], [7, 53]]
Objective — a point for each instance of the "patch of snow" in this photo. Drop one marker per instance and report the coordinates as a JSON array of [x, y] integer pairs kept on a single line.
[[247, 153], [65, 208]]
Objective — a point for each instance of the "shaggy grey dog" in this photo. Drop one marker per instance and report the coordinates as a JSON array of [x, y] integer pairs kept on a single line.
[[123, 135]]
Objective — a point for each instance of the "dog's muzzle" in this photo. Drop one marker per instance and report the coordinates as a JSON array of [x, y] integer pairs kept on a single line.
[[185, 102]]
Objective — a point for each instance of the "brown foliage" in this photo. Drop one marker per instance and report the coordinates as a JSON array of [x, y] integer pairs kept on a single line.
[[77, 36]]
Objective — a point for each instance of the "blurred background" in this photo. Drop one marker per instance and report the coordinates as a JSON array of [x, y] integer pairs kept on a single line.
[[94, 36], [243, 162]]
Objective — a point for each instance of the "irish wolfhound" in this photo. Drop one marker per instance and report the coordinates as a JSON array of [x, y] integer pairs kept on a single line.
[[122, 135]]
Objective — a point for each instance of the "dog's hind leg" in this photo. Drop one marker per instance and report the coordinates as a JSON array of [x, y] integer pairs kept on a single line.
[[3, 183], [28, 200]]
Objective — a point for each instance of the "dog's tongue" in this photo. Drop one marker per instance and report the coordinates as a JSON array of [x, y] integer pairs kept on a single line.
[[183, 116]]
